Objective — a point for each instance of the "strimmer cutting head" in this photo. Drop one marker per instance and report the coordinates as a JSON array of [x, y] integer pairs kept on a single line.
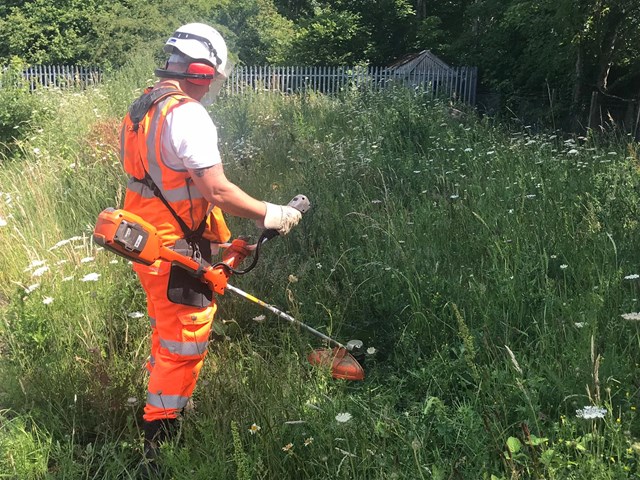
[[343, 364]]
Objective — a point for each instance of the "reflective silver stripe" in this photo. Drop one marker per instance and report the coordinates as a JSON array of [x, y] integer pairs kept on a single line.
[[152, 360], [170, 195], [139, 188], [185, 348], [152, 321], [166, 401]]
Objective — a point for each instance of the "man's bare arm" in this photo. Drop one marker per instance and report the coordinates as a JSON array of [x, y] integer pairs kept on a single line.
[[218, 190]]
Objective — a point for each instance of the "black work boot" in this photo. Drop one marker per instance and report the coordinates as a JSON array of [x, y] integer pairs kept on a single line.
[[155, 433]]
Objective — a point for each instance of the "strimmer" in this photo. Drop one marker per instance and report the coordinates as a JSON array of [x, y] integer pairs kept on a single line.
[[131, 237]]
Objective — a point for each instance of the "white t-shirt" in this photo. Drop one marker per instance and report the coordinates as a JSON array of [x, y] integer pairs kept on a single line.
[[189, 138]]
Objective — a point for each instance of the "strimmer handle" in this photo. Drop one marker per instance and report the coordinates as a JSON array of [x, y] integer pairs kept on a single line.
[[299, 202]]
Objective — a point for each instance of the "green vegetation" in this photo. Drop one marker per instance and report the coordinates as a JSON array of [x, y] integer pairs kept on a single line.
[[486, 268], [554, 62]]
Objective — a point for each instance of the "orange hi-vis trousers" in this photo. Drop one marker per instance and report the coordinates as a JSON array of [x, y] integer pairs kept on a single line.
[[179, 341]]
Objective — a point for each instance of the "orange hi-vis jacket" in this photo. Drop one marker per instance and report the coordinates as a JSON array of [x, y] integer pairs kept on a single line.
[[141, 157]]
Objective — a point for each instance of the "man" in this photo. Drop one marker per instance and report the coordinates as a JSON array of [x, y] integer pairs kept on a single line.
[[177, 183]]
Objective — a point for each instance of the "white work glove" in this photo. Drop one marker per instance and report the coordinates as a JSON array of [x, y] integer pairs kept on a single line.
[[280, 217]]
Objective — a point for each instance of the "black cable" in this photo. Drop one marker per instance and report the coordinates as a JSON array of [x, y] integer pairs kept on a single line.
[[264, 238]]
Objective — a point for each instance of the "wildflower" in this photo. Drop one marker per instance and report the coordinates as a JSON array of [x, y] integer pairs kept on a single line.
[[491, 152], [113, 262], [468, 149], [590, 412], [531, 195], [287, 447], [308, 441], [3, 222], [39, 271], [34, 264], [47, 300], [343, 417], [64, 242], [511, 211], [91, 277], [631, 316], [66, 279], [293, 279], [318, 265], [31, 288], [136, 315], [132, 401], [453, 197], [259, 318], [579, 324], [36, 151], [416, 171], [632, 276], [371, 350], [553, 256], [376, 201], [87, 259], [254, 428], [573, 151], [564, 266]]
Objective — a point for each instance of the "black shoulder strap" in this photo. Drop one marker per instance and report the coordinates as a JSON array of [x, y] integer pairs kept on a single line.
[[189, 235], [144, 102]]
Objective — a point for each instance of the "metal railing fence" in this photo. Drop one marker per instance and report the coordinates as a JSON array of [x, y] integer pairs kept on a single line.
[[459, 83], [456, 82]]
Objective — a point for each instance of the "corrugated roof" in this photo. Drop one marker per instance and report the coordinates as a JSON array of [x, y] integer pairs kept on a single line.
[[418, 61]]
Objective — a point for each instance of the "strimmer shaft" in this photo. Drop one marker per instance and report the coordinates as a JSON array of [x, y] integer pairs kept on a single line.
[[285, 316]]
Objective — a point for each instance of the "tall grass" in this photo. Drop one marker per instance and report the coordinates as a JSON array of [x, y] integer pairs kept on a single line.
[[486, 269]]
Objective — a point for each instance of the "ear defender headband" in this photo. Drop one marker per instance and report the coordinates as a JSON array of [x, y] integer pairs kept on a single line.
[[197, 73]]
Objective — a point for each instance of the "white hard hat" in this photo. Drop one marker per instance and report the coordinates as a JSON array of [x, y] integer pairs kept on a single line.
[[200, 42]]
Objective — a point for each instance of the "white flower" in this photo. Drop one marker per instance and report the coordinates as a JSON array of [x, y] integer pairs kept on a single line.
[[573, 151], [579, 324], [87, 259], [36, 151], [318, 265], [254, 428], [631, 316], [468, 149], [3, 222], [416, 171], [31, 288], [343, 417], [39, 271], [64, 242], [453, 197], [259, 318], [135, 315], [113, 262], [91, 277], [132, 401], [371, 350], [553, 256], [66, 279], [376, 201], [531, 195], [590, 412], [564, 266], [34, 264], [632, 276], [47, 300]]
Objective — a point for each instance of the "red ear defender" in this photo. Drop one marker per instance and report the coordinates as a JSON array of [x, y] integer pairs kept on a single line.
[[202, 73]]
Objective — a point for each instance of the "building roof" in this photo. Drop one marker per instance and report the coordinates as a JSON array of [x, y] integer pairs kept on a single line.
[[418, 61]]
